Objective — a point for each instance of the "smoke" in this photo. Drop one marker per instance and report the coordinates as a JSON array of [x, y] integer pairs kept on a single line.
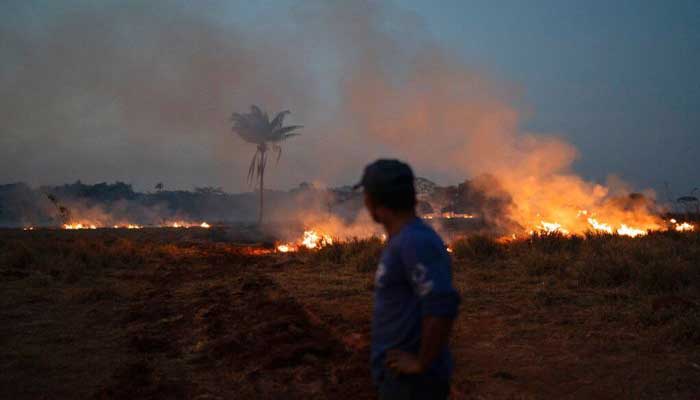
[[141, 92], [134, 91], [418, 102]]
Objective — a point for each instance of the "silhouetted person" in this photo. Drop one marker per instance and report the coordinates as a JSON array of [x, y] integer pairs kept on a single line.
[[415, 302]]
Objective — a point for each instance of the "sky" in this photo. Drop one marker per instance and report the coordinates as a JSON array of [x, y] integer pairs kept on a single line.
[[619, 79], [142, 91]]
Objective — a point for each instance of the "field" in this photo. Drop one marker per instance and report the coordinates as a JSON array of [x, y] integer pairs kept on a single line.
[[166, 313]]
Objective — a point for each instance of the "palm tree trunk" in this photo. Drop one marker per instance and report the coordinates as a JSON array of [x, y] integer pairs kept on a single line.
[[262, 187]]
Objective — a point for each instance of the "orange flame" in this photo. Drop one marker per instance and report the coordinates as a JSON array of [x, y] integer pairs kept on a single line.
[[74, 226], [184, 224], [600, 226], [284, 248], [625, 230], [551, 227], [311, 239], [683, 226], [448, 215]]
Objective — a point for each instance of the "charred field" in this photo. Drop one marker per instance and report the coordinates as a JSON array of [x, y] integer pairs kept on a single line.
[[164, 313]]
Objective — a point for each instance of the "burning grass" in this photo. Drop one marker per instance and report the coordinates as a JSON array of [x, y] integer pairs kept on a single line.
[[622, 229], [71, 226], [657, 263], [310, 240]]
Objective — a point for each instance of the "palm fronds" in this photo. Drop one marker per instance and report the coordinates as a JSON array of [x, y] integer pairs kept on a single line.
[[279, 119], [255, 127], [251, 169]]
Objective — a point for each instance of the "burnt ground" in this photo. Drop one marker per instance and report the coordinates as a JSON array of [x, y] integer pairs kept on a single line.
[[136, 315]]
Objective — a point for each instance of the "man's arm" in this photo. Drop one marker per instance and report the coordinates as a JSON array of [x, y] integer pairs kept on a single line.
[[434, 338]]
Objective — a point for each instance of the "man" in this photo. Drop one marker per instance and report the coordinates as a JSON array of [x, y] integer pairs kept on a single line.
[[415, 302]]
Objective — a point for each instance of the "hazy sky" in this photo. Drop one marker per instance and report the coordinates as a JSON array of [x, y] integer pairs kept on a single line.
[[620, 79], [141, 91]]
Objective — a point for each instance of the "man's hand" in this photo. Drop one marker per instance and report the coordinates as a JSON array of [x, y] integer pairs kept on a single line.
[[402, 362], [436, 331]]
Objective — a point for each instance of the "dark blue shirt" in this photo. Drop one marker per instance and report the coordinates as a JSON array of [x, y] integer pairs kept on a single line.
[[413, 280]]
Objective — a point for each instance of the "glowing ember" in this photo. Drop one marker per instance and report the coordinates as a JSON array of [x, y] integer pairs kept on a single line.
[[256, 251], [449, 250], [509, 238], [204, 225]]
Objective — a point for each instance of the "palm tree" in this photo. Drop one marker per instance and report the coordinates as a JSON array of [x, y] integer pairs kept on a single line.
[[256, 127]]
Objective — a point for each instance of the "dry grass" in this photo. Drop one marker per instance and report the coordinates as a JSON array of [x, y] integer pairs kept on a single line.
[[660, 263], [156, 314], [585, 317], [168, 314]]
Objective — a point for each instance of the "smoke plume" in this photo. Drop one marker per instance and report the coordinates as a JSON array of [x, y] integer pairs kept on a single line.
[[142, 92]]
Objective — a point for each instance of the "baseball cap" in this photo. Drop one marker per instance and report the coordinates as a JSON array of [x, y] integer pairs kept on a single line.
[[386, 176]]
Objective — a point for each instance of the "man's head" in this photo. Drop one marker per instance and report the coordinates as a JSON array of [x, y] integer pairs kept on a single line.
[[389, 190]]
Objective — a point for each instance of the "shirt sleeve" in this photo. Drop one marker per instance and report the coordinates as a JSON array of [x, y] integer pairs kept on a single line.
[[429, 271]]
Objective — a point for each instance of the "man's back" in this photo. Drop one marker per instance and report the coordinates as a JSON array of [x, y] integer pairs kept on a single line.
[[413, 280], [415, 302]]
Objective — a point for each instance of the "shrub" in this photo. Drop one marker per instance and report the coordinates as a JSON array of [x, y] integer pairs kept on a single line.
[[686, 328], [360, 254], [17, 256], [662, 276], [476, 247], [607, 271], [367, 259], [537, 264], [555, 242]]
